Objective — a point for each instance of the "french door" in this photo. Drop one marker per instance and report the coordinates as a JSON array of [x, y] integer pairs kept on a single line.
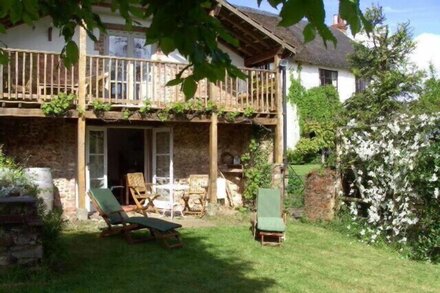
[[96, 160], [129, 78], [161, 167], [163, 161]]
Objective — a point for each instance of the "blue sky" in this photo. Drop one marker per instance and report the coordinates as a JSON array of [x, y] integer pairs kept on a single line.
[[424, 15]]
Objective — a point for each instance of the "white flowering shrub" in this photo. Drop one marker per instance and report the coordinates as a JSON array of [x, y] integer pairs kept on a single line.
[[395, 171]]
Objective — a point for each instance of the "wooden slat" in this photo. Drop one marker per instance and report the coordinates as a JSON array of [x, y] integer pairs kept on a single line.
[[51, 74], [44, 78], [38, 77], [16, 73]]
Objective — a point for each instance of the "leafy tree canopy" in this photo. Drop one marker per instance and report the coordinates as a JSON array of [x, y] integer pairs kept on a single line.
[[175, 25], [429, 101], [383, 61]]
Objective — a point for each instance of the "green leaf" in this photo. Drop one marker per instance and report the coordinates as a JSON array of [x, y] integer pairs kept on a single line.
[[3, 57], [309, 33], [167, 45], [292, 12], [189, 87], [71, 53], [174, 82], [16, 12]]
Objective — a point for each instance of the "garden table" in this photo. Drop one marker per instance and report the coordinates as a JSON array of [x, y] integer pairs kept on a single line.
[[175, 187]]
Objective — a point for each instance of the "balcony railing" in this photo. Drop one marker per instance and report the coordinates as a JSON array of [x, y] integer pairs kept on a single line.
[[36, 76]]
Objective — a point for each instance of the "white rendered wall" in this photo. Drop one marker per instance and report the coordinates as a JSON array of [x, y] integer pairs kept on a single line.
[[309, 78], [36, 38]]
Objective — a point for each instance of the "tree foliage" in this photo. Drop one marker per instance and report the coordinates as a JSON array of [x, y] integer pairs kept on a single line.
[[383, 61], [185, 26], [429, 100]]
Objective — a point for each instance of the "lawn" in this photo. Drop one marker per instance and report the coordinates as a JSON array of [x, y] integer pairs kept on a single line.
[[303, 170], [226, 259]]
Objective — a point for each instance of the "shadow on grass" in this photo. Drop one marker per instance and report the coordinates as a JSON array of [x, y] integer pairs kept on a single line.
[[92, 264]]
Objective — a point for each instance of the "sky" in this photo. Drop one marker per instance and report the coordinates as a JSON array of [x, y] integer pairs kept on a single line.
[[423, 15]]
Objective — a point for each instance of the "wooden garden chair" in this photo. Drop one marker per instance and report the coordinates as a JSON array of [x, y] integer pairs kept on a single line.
[[118, 221], [197, 192], [268, 222], [141, 192]]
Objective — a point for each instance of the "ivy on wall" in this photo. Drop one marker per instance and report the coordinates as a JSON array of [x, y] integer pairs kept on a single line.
[[318, 110]]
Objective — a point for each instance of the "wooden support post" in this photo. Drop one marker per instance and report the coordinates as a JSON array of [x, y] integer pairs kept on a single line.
[[213, 157], [81, 130], [278, 145]]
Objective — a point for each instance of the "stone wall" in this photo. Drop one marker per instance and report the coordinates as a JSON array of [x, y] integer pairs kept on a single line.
[[20, 232], [191, 146], [45, 142], [320, 195]]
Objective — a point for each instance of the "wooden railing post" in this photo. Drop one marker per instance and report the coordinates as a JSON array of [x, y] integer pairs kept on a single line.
[[81, 130]]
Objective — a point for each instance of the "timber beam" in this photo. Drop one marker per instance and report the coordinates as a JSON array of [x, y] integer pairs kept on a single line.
[[266, 56]]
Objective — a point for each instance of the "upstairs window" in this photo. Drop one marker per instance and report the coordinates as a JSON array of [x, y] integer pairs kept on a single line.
[[328, 77], [361, 84]]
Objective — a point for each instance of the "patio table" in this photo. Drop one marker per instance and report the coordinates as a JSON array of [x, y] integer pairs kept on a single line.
[[172, 188]]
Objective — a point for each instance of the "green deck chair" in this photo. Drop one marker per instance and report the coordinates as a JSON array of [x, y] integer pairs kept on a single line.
[[268, 221], [118, 222]]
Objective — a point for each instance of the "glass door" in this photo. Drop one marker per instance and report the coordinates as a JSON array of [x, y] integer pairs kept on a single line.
[[163, 162], [129, 77], [96, 164]]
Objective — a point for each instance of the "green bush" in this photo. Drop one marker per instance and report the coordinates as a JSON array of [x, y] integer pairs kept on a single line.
[[306, 151], [294, 190], [425, 238], [257, 170], [60, 105], [54, 249], [13, 180], [99, 107]]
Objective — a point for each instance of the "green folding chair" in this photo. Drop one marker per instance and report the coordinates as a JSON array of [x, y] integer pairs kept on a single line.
[[118, 222], [269, 223]]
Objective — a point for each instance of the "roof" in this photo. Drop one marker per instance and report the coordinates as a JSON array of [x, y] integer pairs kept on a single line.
[[313, 52], [257, 44]]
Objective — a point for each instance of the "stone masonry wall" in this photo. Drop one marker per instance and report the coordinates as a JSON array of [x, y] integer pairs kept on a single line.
[[45, 142], [191, 146]]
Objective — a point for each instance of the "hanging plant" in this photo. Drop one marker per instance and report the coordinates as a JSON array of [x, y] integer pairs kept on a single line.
[[60, 105]]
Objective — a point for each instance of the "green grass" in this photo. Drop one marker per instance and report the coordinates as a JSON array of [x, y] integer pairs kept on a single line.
[[303, 170], [226, 259]]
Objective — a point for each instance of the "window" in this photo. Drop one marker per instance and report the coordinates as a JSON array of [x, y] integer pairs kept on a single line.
[[361, 84], [123, 44], [328, 77]]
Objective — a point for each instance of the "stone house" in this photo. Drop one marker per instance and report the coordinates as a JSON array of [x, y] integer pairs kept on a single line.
[[87, 149]]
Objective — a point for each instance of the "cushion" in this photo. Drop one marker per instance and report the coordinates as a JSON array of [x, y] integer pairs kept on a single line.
[[269, 202], [157, 224], [271, 224]]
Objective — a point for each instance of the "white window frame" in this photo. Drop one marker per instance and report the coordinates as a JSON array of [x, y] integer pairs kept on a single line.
[[105, 154]]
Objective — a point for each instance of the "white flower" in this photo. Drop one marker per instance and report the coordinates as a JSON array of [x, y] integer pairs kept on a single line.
[[433, 178], [436, 193]]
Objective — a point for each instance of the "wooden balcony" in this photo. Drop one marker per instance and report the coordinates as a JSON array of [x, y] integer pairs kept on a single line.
[[34, 77]]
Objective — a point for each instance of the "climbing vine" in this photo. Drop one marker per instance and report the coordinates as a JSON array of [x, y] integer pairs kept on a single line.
[[318, 110], [257, 168]]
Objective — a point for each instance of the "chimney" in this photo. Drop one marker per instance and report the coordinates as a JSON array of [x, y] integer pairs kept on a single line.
[[339, 23]]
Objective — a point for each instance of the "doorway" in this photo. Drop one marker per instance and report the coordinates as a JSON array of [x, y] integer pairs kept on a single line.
[[112, 152], [126, 154]]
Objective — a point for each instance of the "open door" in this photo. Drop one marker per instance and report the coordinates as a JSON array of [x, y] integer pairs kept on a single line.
[[163, 161], [96, 160]]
